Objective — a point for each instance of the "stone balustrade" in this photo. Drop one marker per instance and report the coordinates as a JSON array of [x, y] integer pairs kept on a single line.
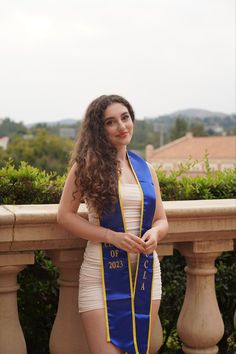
[[200, 230]]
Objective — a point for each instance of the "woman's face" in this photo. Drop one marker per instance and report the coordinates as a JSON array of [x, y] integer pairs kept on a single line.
[[118, 125]]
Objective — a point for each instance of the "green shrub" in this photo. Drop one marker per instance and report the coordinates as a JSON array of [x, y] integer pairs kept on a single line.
[[29, 185], [226, 295], [178, 185], [38, 294], [37, 302], [173, 290]]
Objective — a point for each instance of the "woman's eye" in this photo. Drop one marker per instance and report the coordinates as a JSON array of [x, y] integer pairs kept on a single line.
[[109, 122], [125, 118]]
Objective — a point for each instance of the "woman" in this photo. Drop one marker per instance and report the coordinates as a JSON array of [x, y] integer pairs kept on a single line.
[[120, 283]]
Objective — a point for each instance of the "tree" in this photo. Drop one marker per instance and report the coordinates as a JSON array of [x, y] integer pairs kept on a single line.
[[179, 129], [43, 150], [9, 128], [198, 129]]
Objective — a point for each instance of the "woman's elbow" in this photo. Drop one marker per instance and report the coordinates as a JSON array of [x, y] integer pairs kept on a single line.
[[65, 217], [60, 218], [166, 225]]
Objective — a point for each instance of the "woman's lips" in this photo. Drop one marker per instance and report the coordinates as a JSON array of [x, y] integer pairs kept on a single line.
[[122, 135]]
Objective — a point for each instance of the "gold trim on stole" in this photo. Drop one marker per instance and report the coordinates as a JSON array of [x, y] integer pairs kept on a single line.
[[130, 273], [137, 265], [104, 295]]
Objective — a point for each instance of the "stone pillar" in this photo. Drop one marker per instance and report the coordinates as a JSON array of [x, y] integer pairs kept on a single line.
[[67, 336], [11, 336], [200, 325]]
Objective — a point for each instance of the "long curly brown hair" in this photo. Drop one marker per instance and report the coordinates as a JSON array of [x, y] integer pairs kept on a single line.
[[97, 167]]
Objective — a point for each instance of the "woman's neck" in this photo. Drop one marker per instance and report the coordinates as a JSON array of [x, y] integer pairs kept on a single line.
[[122, 154]]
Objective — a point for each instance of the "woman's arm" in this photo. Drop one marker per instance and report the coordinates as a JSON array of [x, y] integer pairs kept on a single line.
[[79, 227], [160, 224], [67, 213]]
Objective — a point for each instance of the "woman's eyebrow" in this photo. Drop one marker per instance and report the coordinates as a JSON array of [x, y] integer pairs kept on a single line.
[[122, 114], [107, 118]]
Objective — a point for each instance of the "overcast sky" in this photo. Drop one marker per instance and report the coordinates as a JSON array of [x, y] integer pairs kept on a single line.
[[162, 55]]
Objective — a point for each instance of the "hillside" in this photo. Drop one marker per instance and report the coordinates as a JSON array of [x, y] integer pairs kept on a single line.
[[197, 113]]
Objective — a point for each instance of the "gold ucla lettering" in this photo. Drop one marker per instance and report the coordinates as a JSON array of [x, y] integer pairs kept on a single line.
[[107, 245], [145, 264], [144, 275], [142, 286]]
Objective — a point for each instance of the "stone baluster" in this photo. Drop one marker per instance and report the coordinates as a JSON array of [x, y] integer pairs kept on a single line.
[[200, 325], [11, 336], [67, 336]]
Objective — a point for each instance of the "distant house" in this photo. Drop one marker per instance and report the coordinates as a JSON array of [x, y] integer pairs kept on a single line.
[[69, 133], [221, 151], [4, 142]]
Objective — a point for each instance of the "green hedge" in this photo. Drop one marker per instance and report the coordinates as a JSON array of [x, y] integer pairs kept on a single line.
[[178, 185], [38, 294], [29, 185], [37, 302]]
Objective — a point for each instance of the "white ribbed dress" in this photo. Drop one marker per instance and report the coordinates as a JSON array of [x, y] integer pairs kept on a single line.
[[90, 284]]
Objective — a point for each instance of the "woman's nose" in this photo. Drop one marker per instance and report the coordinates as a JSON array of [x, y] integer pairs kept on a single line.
[[121, 125]]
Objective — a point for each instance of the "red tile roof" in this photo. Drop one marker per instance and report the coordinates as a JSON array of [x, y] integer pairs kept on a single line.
[[217, 147]]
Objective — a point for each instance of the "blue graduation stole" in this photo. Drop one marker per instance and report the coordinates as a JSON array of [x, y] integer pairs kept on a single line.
[[128, 305]]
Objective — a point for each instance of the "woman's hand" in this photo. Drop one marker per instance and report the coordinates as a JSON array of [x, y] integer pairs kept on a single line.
[[127, 241], [150, 238]]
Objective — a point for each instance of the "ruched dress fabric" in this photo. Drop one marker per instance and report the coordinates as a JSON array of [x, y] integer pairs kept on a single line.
[[90, 279]]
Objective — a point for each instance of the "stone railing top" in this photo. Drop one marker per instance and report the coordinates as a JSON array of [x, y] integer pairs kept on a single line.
[[201, 208], [30, 227]]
